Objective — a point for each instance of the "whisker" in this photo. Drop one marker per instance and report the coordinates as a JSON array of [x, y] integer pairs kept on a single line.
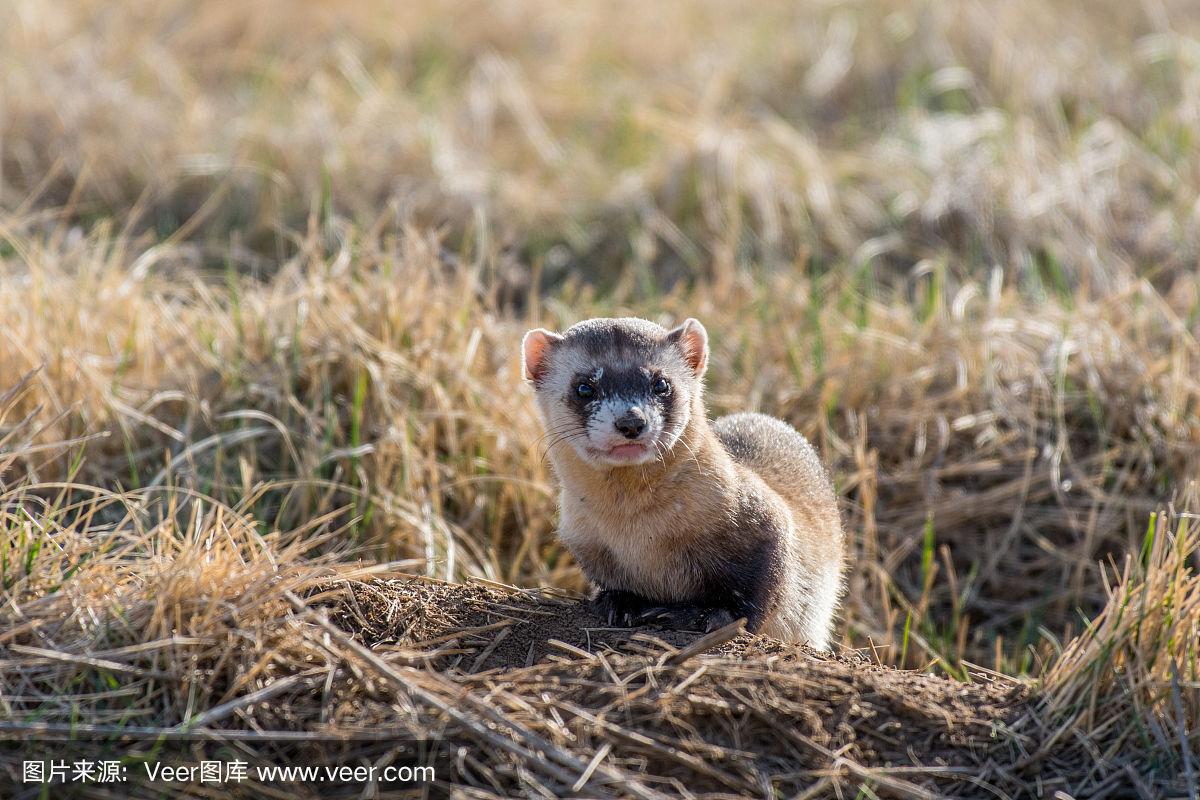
[[566, 437], [691, 452], [554, 431]]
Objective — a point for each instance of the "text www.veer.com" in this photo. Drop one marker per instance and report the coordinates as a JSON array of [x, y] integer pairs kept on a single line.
[[344, 773]]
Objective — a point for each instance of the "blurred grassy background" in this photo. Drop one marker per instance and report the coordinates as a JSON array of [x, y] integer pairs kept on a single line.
[[279, 255]]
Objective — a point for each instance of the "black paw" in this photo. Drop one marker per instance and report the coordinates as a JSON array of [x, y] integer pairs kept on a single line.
[[682, 617], [619, 608]]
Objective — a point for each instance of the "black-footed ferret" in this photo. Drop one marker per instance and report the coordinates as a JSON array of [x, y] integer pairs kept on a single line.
[[678, 520]]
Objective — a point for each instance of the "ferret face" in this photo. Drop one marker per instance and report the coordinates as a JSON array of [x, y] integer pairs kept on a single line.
[[618, 391]]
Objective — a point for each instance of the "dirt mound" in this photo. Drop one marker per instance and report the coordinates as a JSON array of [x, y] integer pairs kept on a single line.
[[474, 627], [680, 713], [518, 693]]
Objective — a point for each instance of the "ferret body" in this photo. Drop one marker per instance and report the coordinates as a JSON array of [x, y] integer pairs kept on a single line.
[[679, 520]]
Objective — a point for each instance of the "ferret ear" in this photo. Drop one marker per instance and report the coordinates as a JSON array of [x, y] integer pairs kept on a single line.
[[692, 339], [534, 349]]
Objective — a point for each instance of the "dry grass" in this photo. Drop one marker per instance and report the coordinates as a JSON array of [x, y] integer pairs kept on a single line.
[[990, 460], [1130, 685], [263, 267]]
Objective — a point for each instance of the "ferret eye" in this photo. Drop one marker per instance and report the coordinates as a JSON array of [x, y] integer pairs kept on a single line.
[[584, 390], [661, 386]]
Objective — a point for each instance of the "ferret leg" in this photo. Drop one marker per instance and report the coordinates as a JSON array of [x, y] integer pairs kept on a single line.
[[619, 607], [746, 588], [688, 617]]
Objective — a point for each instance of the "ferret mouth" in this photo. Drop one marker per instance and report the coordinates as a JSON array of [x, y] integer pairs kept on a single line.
[[629, 452]]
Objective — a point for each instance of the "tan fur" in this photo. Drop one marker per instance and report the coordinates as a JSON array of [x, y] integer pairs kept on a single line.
[[648, 517]]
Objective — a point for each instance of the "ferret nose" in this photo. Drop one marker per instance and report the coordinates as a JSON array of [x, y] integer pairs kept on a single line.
[[631, 423]]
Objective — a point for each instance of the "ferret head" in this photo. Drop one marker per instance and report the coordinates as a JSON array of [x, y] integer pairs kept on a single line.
[[618, 391]]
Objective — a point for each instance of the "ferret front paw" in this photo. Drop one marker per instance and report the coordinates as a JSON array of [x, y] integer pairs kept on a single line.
[[619, 608], [687, 618]]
